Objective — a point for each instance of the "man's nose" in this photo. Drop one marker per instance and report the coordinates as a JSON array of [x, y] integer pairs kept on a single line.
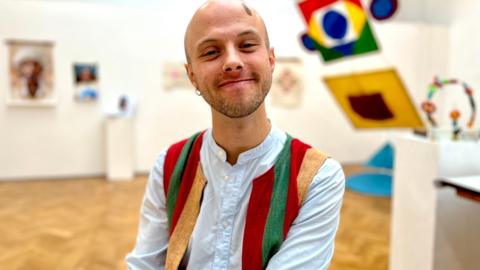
[[233, 61]]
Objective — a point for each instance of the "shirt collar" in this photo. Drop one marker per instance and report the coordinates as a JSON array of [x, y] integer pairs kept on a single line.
[[267, 144]]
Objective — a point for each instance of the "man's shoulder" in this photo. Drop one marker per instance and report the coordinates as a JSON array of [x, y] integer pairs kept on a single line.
[[319, 163], [182, 148], [178, 144], [300, 146], [181, 143]]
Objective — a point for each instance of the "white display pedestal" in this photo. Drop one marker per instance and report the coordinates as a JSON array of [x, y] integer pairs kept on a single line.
[[120, 149], [433, 228]]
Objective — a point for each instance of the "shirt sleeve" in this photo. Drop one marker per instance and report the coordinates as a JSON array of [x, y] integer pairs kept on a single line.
[[310, 241], [152, 239]]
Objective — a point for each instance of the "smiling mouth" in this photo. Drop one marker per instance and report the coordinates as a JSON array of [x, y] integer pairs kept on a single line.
[[234, 82]]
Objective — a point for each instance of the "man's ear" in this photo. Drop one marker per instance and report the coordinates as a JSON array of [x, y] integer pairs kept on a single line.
[[271, 58], [188, 69]]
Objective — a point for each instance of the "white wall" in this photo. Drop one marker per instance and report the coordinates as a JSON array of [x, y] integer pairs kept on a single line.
[[131, 42], [464, 59]]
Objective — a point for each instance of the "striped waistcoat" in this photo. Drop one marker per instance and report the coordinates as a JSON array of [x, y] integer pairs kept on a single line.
[[276, 198]]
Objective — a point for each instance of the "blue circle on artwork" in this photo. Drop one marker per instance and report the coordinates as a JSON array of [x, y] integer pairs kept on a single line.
[[335, 24], [382, 9], [308, 42]]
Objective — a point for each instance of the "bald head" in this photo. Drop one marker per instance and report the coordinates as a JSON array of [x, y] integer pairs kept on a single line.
[[221, 12]]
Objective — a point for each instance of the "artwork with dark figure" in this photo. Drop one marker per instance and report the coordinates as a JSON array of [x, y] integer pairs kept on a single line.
[[31, 71]]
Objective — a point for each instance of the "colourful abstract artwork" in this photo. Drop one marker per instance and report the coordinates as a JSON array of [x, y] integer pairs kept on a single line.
[[175, 76], [86, 82], [374, 99], [336, 28], [429, 107], [31, 73], [287, 83]]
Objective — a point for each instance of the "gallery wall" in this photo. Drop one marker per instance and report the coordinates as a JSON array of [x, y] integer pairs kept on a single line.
[[130, 43], [463, 59]]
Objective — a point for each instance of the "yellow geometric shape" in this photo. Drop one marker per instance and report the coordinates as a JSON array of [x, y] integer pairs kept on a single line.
[[315, 32], [356, 16], [385, 84]]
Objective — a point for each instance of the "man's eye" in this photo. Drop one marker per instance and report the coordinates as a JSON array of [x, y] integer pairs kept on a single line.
[[247, 45], [210, 53]]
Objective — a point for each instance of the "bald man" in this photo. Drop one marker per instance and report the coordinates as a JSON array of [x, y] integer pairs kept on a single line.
[[242, 194]]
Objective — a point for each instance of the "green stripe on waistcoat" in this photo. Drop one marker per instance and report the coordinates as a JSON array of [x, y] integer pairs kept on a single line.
[[176, 178], [273, 233]]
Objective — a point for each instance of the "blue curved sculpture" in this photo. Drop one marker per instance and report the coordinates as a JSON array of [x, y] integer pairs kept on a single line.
[[379, 182]]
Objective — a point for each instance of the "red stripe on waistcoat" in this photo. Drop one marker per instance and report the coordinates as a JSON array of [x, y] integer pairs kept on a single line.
[[187, 179], [257, 213], [173, 153], [298, 150]]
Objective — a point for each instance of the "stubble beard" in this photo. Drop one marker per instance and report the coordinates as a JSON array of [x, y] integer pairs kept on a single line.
[[238, 109]]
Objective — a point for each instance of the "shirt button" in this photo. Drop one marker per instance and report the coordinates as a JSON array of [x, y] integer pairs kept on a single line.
[[225, 224], [226, 177]]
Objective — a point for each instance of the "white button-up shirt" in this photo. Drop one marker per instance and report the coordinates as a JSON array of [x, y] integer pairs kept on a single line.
[[217, 238]]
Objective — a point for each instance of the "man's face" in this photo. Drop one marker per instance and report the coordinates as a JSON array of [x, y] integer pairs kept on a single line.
[[230, 63]]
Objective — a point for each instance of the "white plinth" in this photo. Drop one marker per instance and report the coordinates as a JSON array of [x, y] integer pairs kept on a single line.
[[120, 148], [433, 228]]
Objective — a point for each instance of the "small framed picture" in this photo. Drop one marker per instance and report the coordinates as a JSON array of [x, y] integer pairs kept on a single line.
[[287, 83], [86, 82], [175, 77]]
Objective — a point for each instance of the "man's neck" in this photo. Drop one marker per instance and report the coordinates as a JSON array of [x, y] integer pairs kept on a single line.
[[237, 135]]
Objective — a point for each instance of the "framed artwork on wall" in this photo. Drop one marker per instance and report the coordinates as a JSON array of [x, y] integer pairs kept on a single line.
[[287, 82], [175, 76], [31, 73], [86, 82]]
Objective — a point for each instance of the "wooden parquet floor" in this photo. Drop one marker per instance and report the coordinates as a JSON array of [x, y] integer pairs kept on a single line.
[[362, 241], [90, 224]]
